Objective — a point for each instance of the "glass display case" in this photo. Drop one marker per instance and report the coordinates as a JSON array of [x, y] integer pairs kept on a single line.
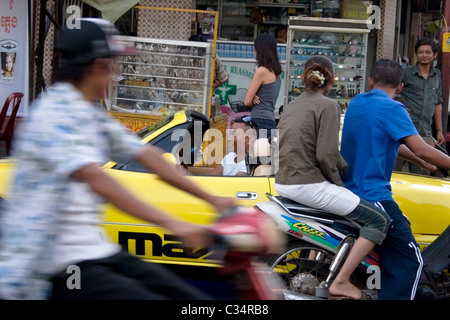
[[243, 20], [167, 76], [343, 41]]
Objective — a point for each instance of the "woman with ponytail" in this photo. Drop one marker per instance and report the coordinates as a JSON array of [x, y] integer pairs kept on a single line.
[[311, 167]]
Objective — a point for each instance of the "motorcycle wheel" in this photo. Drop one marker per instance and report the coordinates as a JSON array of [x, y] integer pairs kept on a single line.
[[302, 267]]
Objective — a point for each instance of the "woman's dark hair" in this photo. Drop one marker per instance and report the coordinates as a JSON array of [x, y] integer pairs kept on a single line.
[[267, 54], [319, 71], [199, 38], [279, 28], [386, 72]]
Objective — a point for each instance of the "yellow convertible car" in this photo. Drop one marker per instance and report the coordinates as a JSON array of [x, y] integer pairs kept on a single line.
[[425, 200]]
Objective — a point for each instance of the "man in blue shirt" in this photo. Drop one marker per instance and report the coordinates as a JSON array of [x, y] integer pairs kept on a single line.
[[375, 126]]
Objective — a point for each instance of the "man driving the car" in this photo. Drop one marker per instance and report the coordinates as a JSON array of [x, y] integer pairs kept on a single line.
[[240, 138]]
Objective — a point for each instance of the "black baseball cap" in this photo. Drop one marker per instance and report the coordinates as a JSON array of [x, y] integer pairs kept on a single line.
[[91, 39]]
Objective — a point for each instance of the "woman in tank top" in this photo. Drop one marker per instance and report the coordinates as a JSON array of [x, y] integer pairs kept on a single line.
[[263, 91]]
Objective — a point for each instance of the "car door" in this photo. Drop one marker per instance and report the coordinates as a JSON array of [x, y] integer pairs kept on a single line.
[[151, 242], [426, 203]]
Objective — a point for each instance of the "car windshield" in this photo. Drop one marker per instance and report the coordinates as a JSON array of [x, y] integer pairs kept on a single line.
[[153, 127], [165, 141]]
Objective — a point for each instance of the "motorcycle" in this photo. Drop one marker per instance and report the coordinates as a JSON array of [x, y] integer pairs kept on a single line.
[[242, 238], [319, 242], [239, 236]]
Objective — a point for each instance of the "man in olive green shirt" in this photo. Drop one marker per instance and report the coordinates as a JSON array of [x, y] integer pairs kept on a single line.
[[422, 95]]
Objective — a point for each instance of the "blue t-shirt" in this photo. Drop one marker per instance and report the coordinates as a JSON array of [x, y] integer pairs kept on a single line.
[[373, 129]]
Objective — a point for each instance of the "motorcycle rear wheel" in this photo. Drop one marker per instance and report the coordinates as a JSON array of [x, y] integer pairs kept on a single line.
[[302, 267]]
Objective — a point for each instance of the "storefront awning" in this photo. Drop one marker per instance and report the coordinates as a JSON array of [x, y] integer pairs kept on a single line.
[[111, 9]]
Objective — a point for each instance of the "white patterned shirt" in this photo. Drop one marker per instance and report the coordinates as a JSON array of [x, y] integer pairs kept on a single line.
[[52, 220], [231, 167]]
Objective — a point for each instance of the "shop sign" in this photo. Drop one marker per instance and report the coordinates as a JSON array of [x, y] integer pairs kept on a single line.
[[446, 42], [355, 9], [240, 75], [14, 51]]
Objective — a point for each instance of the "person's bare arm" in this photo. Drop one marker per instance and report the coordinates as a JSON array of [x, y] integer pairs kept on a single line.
[[100, 182], [151, 159], [209, 171], [407, 154], [251, 98], [426, 152], [437, 117]]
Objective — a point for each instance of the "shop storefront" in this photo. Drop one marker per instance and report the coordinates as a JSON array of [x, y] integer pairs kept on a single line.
[[235, 24], [240, 22]]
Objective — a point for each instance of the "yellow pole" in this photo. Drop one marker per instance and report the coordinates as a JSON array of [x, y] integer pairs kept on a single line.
[[213, 62]]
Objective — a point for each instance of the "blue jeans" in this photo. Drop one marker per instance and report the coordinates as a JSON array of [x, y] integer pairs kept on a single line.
[[400, 258], [265, 127]]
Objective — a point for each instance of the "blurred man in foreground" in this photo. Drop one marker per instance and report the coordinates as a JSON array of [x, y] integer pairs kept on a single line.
[[52, 218]]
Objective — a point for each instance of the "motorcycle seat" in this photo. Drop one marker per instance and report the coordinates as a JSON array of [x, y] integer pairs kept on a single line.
[[297, 208]]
